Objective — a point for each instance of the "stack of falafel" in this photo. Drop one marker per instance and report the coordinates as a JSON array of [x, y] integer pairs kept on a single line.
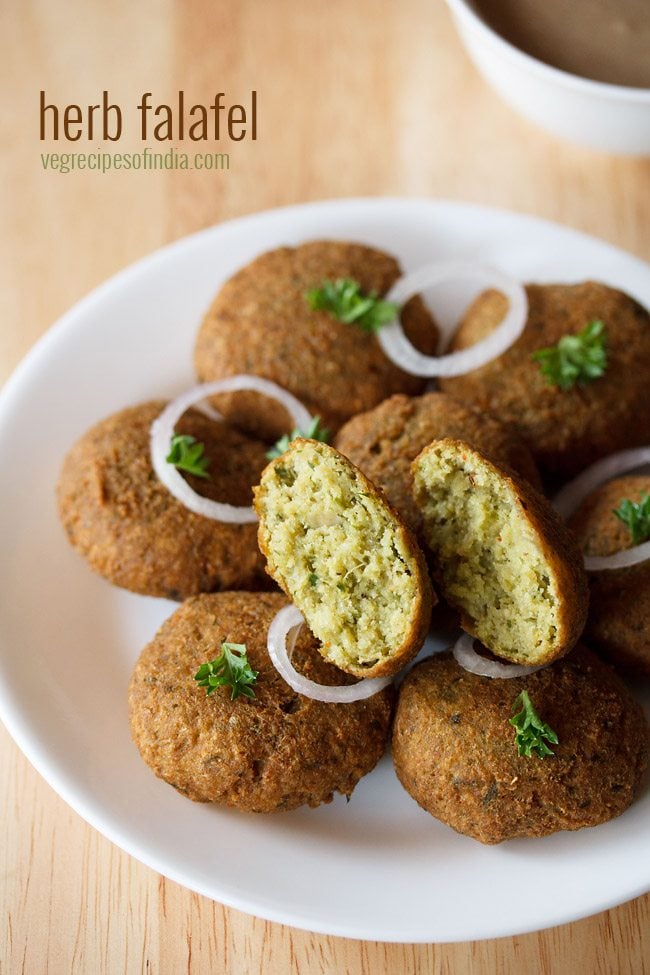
[[455, 476]]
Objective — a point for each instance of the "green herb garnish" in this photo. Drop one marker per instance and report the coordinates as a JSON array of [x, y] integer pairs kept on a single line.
[[531, 729], [343, 300], [636, 517], [187, 454], [575, 359], [231, 669], [314, 432]]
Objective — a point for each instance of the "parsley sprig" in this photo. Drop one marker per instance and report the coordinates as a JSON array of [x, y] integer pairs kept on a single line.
[[230, 669], [344, 300], [187, 454], [313, 432], [531, 730], [575, 359], [637, 518]]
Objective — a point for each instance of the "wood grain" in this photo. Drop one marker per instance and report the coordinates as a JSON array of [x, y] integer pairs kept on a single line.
[[369, 98]]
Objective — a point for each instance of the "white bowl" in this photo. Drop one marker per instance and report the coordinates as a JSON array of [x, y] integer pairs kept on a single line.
[[613, 118]]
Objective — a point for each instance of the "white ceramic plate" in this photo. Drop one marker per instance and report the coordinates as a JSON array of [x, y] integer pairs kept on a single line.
[[379, 867]]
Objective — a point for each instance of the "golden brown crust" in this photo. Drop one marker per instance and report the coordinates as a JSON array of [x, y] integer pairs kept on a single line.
[[566, 430], [455, 753], [276, 752], [133, 532], [384, 441], [557, 546], [618, 625], [426, 597], [598, 530], [260, 322]]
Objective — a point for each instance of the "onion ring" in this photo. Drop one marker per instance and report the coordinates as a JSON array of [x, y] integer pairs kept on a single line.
[[207, 409], [162, 431], [398, 348], [466, 656], [572, 494], [291, 619]]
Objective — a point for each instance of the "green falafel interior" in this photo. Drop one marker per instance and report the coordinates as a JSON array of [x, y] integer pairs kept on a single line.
[[345, 559], [503, 558]]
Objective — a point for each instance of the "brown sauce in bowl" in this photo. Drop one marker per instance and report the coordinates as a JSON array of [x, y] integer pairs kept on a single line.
[[606, 40]]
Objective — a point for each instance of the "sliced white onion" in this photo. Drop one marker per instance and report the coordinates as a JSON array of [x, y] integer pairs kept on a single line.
[[398, 348], [207, 409], [467, 657], [162, 431], [291, 619], [569, 498]]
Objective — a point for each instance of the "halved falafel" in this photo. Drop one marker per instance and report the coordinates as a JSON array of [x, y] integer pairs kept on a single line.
[[133, 532], [566, 429], [384, 441], [455, 753], [261, 323], [618, 625], [277, 751], [345, 558], [502, 555]]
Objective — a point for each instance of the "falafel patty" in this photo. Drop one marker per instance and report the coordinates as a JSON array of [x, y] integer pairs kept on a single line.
[[618, 625], [566, 429], [261, 323], [136, 534], [384, 441], [277, 751], [503, 556], [345, 558], [455, 753]]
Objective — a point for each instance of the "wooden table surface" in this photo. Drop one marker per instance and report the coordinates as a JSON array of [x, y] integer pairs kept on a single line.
[[371, 97]]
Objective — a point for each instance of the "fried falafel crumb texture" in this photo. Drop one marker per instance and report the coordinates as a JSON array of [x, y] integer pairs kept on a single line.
[[488, 553], [340, 553]]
